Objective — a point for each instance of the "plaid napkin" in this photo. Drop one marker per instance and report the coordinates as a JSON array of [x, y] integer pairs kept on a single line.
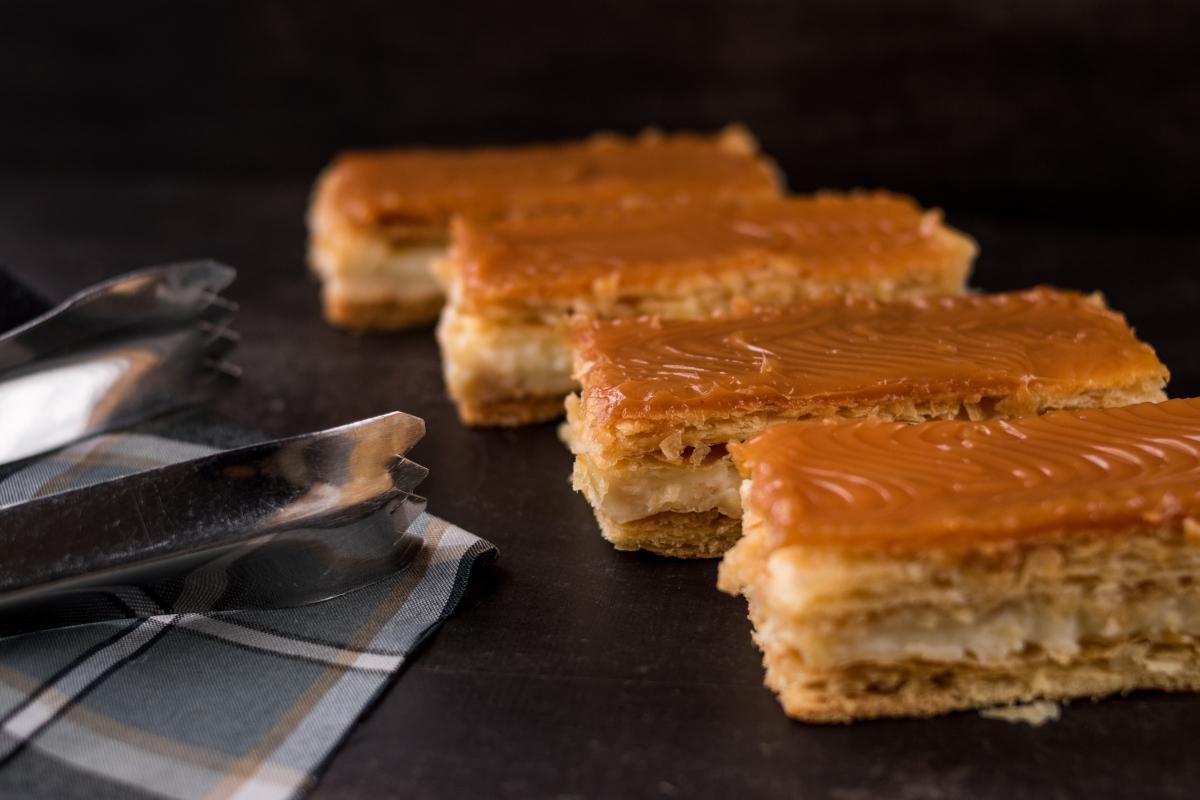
[[225, 705]]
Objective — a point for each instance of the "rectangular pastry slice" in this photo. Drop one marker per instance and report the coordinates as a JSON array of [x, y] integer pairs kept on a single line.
[[380, 219], [513, 283], [911, 570], [662, 400]]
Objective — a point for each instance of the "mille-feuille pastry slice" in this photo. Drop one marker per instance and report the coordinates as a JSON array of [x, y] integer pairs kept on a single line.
[[513, 283], [662, 400], [380, 219], [911, 570]]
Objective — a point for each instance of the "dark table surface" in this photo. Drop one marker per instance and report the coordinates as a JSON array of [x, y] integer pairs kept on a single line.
[[573, 670]]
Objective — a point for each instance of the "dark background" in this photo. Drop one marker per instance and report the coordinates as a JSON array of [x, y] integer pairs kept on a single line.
[[1061, 134], [1067, 109]]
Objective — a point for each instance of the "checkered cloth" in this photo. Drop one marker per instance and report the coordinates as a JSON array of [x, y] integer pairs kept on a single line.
[[225, 705]]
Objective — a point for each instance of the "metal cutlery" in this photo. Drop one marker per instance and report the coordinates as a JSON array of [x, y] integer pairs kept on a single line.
[[110, 356], [282, 523], [147, 299]]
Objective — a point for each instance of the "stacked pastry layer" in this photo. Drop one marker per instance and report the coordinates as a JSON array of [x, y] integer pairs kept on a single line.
[[662, 400], [899, 569], [513, 283], [380, 219], [938, 501]]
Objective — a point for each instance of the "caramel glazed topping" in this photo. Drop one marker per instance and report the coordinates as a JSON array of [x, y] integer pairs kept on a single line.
[[877, 483], [431, 185], [868, 237], [854, 352]]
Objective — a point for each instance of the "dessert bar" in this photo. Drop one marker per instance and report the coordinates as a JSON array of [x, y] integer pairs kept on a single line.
[[662, 400], [380, 219], [514, 283], [911, 570]]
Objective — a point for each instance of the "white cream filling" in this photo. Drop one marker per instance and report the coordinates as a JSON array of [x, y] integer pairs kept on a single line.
[[633, 493], [485, 359], [356, 262], [1059, 626], [399, 272]]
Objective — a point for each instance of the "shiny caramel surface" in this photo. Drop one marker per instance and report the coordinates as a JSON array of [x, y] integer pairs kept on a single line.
[[429, 186], [852, 482], [869, 238], [854, 352]]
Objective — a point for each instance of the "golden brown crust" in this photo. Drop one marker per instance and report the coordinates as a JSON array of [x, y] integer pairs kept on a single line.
[[850, 353], [828, 243], [422, 188], [380, 313], [924, 689], [638, 438], [705, 534], [871, 483], [510, 413]]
